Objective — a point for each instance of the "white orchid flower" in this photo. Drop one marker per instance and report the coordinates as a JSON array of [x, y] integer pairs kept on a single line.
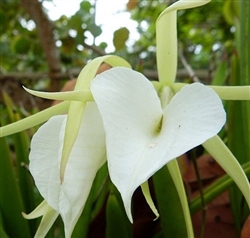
[[87, 156], [139, 127], [67, 195], [143, 133]]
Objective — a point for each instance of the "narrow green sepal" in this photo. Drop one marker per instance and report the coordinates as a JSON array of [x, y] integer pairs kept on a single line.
[[224, 92], [147, 195], [216, 148], [38, 212], [175, 173], [79, 95], [46, 223], [34, 120], [76, 109]]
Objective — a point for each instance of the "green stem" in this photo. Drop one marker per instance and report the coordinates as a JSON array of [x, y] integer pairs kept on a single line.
[[244, 48], [215, 189], [203, 204]]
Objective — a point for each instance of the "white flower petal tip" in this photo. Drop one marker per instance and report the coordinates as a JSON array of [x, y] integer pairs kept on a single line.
[[141, 137], [199, 102], [87, 156]]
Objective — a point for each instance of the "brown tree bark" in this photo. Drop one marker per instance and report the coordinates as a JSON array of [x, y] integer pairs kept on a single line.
[[45, 31], [203, 75]]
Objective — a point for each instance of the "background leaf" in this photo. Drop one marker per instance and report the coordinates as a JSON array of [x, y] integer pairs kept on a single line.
[[11, 202], [120, 37]]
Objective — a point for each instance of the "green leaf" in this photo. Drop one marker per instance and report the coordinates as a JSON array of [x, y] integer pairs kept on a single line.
[[239, 112], [215, 189], [120, 37], [94, 29], [3, 233], [21, 147], [116, 219], [100, 189], [85, 6], [21, 45], [230, 11], [172, 203], [220, 74], [11, 203]]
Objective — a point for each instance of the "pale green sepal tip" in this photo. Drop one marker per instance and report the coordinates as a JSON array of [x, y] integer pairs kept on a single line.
[[115, 61], [39, 211], [177, 179], [89, 71], [49, 217], [46, 223], [79, 95], [34, 120], [184, 4], [149, 200], [219, 151]]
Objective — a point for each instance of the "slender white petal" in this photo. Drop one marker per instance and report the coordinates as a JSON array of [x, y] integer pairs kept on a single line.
[[141, 137], [86, 157], [43, 160]]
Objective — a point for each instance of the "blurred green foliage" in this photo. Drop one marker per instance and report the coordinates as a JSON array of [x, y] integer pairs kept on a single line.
[[206, 36]]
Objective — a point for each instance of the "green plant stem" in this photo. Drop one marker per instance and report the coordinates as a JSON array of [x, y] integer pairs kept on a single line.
[[215, 189], [203, 204]]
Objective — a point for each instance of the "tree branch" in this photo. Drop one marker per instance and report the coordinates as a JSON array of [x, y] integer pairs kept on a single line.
[[45, 32], [188, 67], [73, 73], [95, 49]]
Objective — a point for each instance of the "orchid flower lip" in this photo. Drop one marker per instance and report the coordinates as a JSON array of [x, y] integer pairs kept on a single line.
[[139, 129]]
